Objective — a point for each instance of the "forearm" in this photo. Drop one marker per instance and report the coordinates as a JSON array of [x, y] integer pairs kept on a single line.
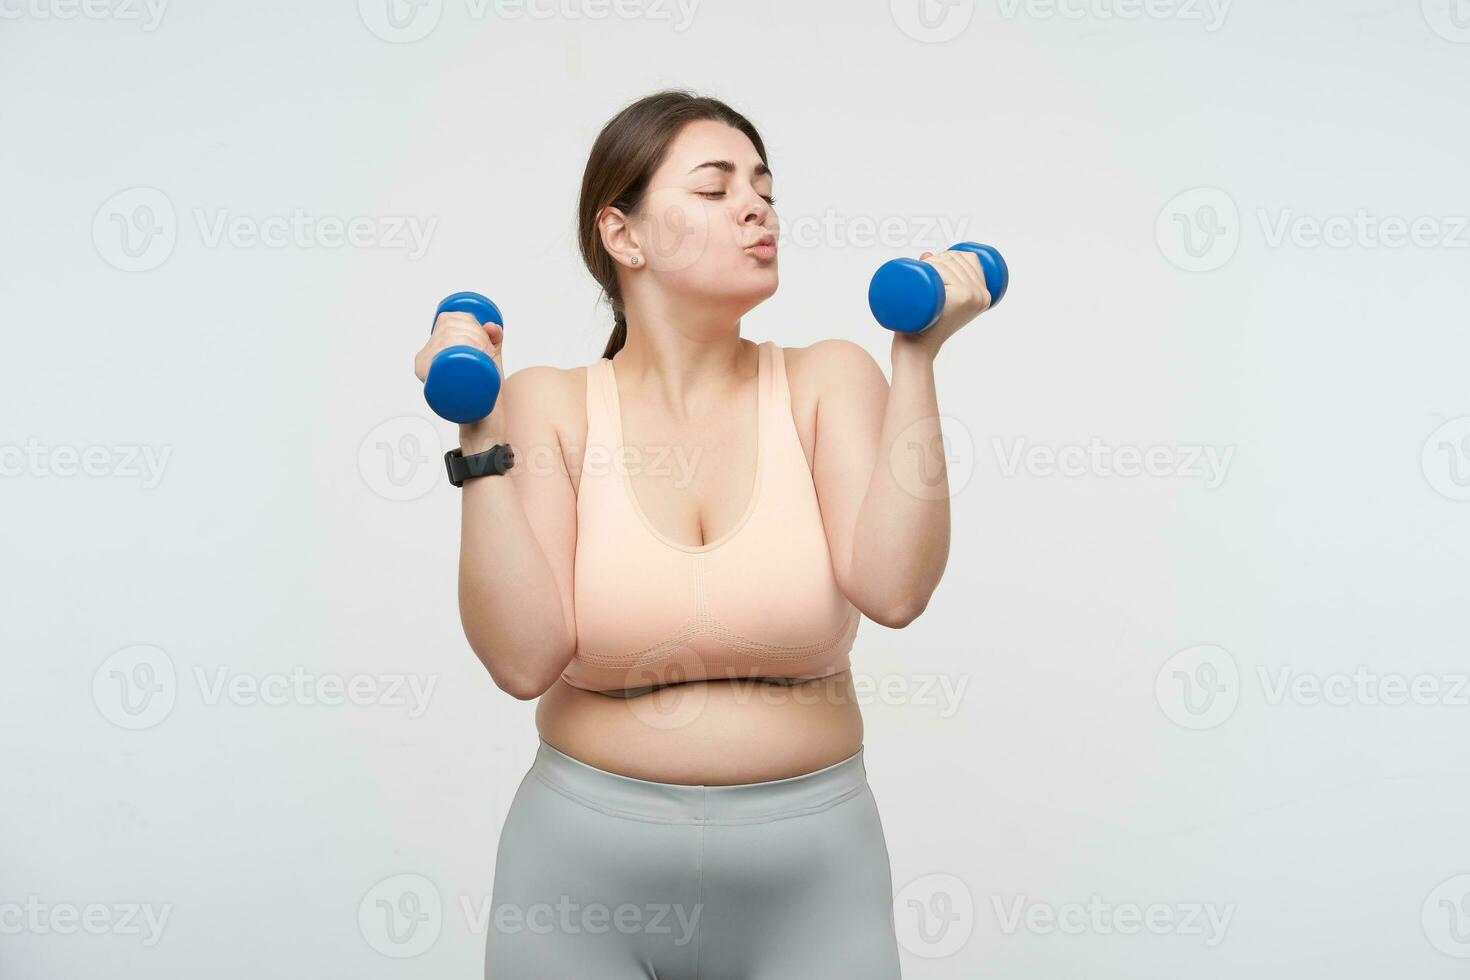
[[509, 601], [901, 541]]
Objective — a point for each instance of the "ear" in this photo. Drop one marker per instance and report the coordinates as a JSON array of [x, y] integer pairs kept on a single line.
[[618, 236]]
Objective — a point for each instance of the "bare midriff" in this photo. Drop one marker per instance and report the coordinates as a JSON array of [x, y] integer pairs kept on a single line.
[[712, 733]]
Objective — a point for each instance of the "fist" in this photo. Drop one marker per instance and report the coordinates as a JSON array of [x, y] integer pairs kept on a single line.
[[459, 330], [965, 294]]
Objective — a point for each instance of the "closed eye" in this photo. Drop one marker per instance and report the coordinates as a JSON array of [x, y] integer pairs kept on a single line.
[[769, 198]]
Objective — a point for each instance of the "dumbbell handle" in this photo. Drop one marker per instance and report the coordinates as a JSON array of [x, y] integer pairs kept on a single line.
[[907, 295], [463, 382]]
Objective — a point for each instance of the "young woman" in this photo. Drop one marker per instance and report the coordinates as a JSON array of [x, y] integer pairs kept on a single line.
[[676, 566]]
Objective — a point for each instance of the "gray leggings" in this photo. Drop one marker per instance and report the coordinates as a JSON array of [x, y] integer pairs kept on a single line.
[[600, 876]]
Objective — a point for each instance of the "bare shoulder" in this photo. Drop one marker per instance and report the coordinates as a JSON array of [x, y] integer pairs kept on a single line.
[[553, 397], [828, 365], [550, 389]]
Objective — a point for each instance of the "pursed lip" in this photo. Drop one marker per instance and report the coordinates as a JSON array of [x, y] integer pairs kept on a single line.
[[763, 240]]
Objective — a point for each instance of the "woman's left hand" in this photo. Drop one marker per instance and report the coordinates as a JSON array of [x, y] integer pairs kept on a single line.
[[965, 297]]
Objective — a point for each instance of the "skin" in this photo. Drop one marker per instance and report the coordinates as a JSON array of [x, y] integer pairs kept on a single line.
[[687, 379]]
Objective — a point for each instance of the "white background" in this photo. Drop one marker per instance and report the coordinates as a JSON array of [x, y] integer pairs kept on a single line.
[[1114, 643]]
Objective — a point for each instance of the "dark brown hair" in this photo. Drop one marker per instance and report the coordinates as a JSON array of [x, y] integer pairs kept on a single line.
[[627, 152]]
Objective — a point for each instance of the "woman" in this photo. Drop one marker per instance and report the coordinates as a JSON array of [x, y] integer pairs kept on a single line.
[[676, 565]]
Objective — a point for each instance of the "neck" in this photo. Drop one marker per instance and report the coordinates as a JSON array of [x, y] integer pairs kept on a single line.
[[682, 359]]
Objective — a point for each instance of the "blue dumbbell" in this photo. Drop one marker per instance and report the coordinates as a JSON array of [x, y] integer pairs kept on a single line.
[[463, 383], [907, 295]]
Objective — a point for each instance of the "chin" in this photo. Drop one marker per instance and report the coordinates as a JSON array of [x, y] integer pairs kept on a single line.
[[740, 288], [763, 277], [762, 287]]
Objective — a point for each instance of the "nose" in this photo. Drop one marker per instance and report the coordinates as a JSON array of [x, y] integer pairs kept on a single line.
[[755, 209]]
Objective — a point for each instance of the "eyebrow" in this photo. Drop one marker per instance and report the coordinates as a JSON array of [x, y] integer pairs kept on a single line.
[[761, 170]]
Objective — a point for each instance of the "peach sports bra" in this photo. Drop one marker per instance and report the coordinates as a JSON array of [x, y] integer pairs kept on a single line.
[[759, 601]]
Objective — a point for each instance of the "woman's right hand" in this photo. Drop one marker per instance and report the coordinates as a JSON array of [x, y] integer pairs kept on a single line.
[[463, 330]]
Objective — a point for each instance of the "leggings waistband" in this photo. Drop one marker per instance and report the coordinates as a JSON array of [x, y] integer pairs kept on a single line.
[[644, 799]]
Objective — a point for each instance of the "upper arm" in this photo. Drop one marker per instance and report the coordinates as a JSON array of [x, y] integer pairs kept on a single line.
[[852, 395], [541, 402]]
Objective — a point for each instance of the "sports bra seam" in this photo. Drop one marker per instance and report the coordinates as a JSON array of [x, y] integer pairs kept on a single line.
[[626, 693], [767, 651]]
